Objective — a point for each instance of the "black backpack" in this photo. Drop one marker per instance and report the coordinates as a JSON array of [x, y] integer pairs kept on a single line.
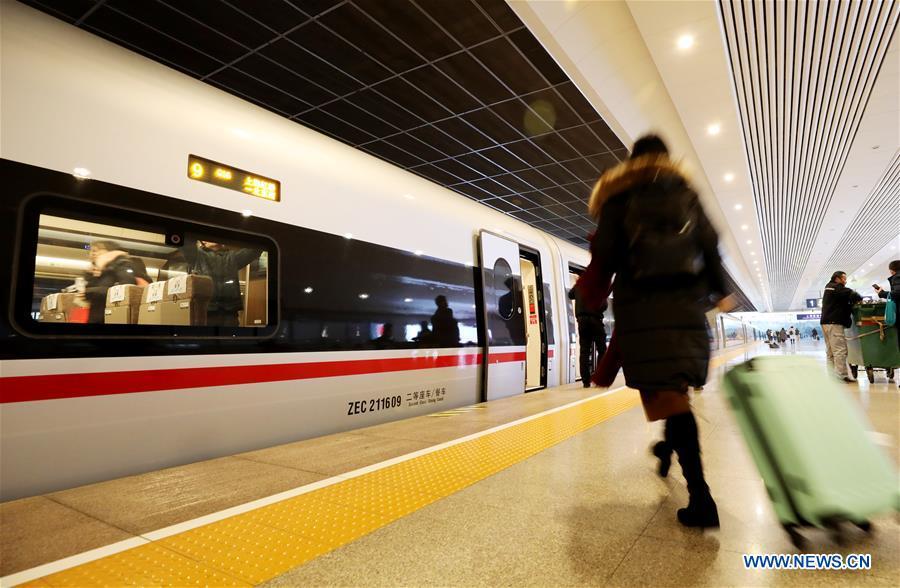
[[661, 225]]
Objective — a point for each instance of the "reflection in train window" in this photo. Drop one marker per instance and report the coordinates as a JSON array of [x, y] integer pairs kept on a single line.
[[100, 271], [504, 289]]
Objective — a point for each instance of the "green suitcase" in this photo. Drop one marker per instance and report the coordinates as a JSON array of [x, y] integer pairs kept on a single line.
[[809, 442], [870, 343]]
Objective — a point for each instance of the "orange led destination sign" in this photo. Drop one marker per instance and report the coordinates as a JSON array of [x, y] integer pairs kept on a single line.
[[219, 174]]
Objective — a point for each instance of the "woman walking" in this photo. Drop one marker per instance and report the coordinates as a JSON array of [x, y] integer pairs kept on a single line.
[[653, 235]]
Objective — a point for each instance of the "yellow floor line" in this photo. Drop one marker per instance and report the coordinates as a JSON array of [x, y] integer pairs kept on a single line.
[[256, 546]]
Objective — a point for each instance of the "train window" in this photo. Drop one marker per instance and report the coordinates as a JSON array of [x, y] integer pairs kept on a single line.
[[548, 311], [504, 289], [115, 272]]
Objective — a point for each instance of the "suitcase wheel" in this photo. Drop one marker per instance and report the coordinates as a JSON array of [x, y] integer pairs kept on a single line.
[[866, 527], [870, 373], [797, 539], [854, 369], [836, 532]]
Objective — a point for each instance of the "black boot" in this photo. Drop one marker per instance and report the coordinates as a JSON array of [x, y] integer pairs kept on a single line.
[[682, 436], [662, 450]]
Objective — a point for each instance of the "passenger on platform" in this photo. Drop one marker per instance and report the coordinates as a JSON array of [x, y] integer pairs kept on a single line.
[[445, 328], [894, 281], [782, 336], [815, 334], [837, 303], [591, 333], [792, 335], [221, 264], [654, 236], [110, 266]]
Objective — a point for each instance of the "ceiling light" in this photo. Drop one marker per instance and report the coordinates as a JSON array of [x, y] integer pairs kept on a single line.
[[81, 173], [363, 296], [246, 213], [407, 300], [714, 129], [755, 261], [729, 177], [753, 253], [685, 41], [749, 242], [308, 289], [744, 227], [738, 206], [348, 235], [418, 252], [409, 196]]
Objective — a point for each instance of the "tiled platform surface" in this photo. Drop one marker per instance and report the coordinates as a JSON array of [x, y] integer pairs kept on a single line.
[[591, 512], [588, 511]]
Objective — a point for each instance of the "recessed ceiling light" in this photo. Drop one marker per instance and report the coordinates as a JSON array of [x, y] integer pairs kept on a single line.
[[308, 289], [738, 206], [407, 300], [418, 252], [81, 173], [744, 227], [246, 213], [755, 261], [749, 242], [348, 235], [753, 253], [363, 296], [685, 41], [714, 129], [409, 196], [729, 177]]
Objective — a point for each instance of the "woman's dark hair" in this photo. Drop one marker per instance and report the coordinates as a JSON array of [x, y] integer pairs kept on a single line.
[[649, 144], [895, 266]]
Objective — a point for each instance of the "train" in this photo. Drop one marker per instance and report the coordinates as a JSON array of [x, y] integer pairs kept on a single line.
[[363, 293]]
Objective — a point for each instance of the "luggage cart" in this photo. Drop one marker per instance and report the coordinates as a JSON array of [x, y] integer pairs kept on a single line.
[[871, 344]]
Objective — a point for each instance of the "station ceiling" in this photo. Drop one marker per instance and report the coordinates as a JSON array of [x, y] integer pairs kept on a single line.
[[458, 92]]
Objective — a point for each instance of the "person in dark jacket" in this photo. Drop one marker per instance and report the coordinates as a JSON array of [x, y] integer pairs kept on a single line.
[[444, 328], [837, 304], [111, 266], [591, 333], [221, 264], [894, 281], [660, 310]]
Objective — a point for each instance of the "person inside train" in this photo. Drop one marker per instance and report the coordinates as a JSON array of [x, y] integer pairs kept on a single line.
[[654, 236], [837, 304], [221, 264], [110, 266], [386, 339], [445, 328], [424, 337], [591, 333]]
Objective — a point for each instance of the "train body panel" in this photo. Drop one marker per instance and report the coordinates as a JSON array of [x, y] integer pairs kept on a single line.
[[95, 404]]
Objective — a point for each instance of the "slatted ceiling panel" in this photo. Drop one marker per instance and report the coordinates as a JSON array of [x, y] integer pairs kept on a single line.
[[456, 91], [876, 224], [803, 73]]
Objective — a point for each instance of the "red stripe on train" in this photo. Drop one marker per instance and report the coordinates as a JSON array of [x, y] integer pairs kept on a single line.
[[48, 387]]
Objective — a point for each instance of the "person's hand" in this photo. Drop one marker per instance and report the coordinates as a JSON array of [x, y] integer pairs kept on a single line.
[[727, 304], [877, 287]]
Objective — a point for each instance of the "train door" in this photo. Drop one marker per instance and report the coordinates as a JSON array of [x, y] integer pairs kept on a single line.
[[573, 371], [533, 320], [505, 337]]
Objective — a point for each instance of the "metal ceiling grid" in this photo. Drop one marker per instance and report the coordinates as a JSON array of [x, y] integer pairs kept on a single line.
[[458, 92], [876, 224], [803, 73]]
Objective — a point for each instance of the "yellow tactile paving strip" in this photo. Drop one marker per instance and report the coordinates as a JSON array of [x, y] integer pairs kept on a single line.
[[264, 543]]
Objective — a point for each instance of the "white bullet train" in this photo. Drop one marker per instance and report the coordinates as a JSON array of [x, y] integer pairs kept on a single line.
[[338, 291]]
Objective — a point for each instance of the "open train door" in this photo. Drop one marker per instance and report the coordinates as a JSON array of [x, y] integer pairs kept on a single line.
[[504, 347]]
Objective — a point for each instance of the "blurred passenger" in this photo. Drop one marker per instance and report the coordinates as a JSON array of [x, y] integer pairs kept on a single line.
[[110, 266], [425, 335], [815, 334], [386, 339], [591, 333], [894, 292], [221, 264], [792, 335], [655, 237], [782, 336], [445, 328], [837, 304]]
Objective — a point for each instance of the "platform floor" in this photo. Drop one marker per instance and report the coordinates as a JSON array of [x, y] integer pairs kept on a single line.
[[567, 498]]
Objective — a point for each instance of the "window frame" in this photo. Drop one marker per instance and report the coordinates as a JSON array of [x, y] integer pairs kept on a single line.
[[67, 206]]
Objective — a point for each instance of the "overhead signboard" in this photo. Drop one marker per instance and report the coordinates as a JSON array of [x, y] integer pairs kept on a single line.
[[225, 176], [812, 316], [813, 303]]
